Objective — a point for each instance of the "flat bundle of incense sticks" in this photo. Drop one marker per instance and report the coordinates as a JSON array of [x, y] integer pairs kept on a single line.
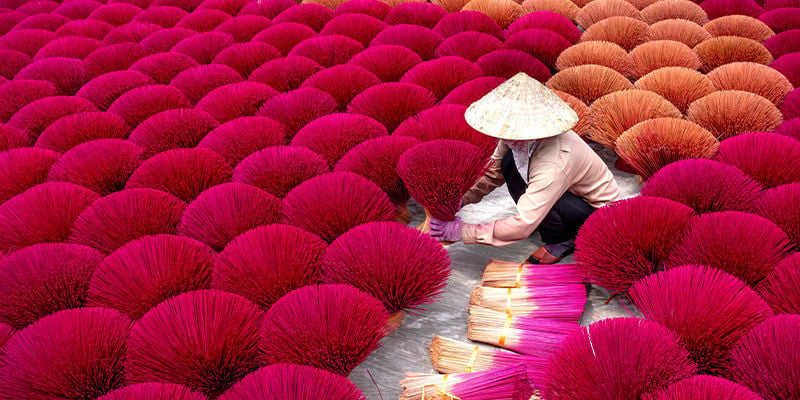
[[509, 274], [531, 336], [561, 303], [451, 357], [500, 383]]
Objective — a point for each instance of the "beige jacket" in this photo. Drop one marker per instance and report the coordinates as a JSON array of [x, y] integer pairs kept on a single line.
[[560, 163]]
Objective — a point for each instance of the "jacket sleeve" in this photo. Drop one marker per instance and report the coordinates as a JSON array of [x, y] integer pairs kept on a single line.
[[492, 179], [544, 189]]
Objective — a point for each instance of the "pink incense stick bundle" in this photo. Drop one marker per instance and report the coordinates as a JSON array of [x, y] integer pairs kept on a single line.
[[224, 211], [779, 205], [401, 266], [744, 245], [696, 183], [452, 357], [183, 173], [104, 90], [376, 159], [560, 303], [43, 213], [265, 263], [765, 360], [502, 383], [22, 168], [505, 274], [291, 381], [44, 278], [6, 332], [161, 68], [706, 307], [73, 354], [120, 217], [74, 129], [333, 327], [629, 240], [532, 336], [146, 271], [204, 339], [154, 391], [781, 288], [375, 8], [617, 358], [703, 387], [329, 205], [467, 20], [427, 170], [444, 122]]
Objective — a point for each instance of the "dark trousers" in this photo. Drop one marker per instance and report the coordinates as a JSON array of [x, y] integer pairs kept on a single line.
[[561, 224]]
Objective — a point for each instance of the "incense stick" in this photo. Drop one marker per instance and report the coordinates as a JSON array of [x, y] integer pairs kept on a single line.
[[562, 303], [509, 274], [531, 336], [500, 383], [451, 356]]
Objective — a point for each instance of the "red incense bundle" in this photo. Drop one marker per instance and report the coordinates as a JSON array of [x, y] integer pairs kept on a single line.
[[502, 383], [428, 172], [560, 303], [452, 357], [506, 274], [532, 336], [616, 358], [291, 381]]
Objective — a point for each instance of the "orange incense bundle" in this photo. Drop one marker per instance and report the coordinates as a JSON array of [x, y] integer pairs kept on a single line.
[[504, 12], [595, 52], [617, 112], [680, 30], [598, 10], [754, 78], [562, 7], [650, 145], [625, 31], [589, 82], [560, 303], [680, 85], [505, 274]]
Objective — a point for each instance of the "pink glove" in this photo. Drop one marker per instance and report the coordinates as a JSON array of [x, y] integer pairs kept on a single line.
[[446, 231]]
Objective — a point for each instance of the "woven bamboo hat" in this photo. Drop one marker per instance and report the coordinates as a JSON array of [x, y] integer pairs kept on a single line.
[[521, 109]]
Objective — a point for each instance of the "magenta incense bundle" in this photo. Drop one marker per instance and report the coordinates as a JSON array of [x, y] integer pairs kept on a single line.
[[506, 274], [453, 357], [532, 336], [501, 383], [562, 303]]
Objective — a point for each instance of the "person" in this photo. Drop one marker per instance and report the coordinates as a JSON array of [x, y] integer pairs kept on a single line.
[[554, 177]]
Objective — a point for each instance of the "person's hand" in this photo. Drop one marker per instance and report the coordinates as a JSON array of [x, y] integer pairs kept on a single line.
[[446, 231]]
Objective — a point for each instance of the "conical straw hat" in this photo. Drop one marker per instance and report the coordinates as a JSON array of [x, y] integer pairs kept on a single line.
[[521, 109]]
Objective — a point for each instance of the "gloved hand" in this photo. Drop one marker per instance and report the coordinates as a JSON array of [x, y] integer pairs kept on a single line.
[[446, 231]]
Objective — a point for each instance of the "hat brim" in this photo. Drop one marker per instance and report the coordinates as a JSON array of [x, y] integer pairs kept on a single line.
[[521, 109]]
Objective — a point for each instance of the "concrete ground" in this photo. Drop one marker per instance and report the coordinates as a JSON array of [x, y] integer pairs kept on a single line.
[[406, 349]]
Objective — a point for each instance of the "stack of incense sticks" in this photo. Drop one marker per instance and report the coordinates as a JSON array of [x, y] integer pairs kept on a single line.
[[531, 336], [525, 308], [510, 274], [451, 357], [500, 383], [561, 303]]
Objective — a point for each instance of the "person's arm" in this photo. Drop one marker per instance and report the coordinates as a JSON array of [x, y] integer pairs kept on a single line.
[[544, 189], [492, 179]]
